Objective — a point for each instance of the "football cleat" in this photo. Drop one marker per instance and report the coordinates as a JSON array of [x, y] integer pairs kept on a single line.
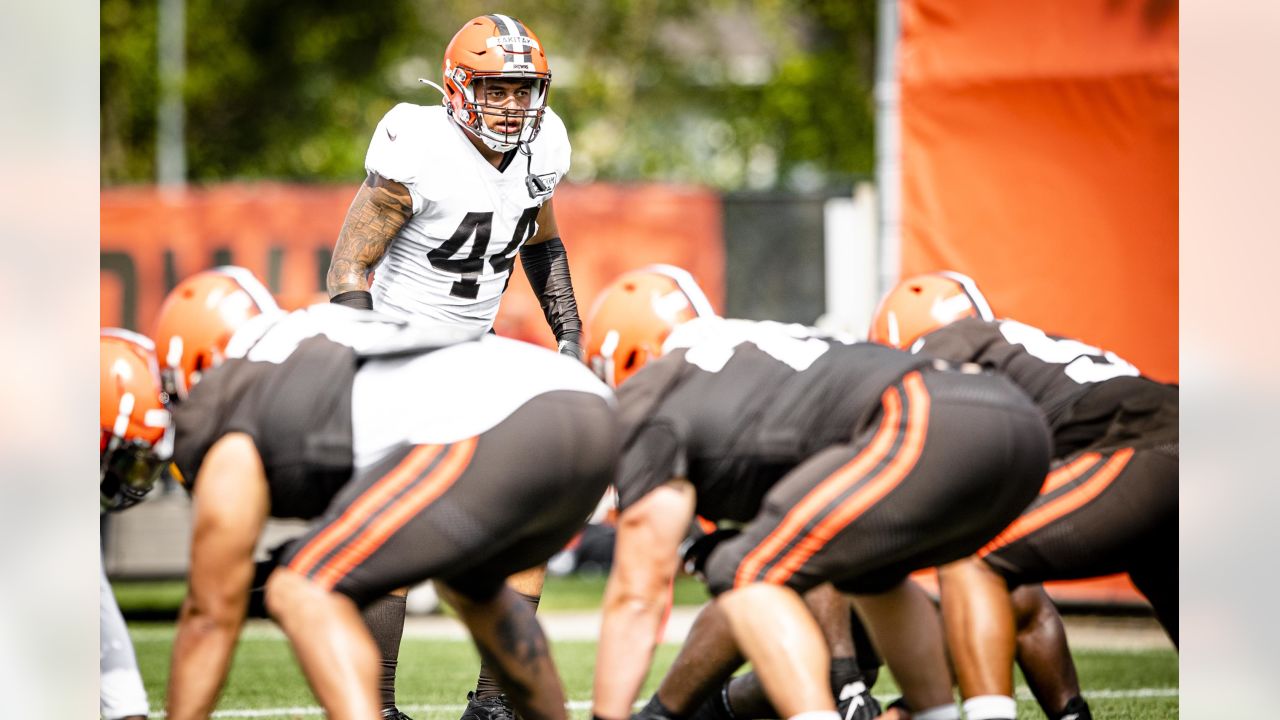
[[856, 703], [491, 708], [1076, 709], [394, 714], [715, 707]]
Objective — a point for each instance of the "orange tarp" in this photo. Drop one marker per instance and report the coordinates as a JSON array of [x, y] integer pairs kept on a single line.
[[285, 233], [1040, 156]]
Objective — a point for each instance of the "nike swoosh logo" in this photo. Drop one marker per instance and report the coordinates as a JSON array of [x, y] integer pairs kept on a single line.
[[853, 690], [393, 137]]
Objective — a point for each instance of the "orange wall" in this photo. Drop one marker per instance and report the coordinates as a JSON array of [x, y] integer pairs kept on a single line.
[[284, 232], [1040, 156]]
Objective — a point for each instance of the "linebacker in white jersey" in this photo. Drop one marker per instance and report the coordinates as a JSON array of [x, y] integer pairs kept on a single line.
[[453, 193]]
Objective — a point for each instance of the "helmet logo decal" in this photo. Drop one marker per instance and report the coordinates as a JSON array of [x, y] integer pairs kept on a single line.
[[507, 41], [668, 306]]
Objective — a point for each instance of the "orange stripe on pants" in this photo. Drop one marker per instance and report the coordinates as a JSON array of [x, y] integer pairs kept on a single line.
[[1071, 501], [395, 517], [869, 494], [826, 491], [418, 459]]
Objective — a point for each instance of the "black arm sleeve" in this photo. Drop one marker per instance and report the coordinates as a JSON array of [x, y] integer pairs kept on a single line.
[[361, 299], [547, 265]]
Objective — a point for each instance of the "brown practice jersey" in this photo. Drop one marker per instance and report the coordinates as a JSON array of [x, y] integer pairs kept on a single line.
[[298, 413], [734, 405], [1079, 388]]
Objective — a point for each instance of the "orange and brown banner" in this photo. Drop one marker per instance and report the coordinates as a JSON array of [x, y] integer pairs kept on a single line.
[[1040, 156], [151, 239]]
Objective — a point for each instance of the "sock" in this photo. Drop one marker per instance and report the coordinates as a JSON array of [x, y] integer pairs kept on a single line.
[[843, 671], [655, 710], [385, 618], [1075, 709], [941, 712], [991, 707], [487, 682]]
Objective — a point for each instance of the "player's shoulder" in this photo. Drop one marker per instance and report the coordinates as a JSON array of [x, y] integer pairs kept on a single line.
[[414, 124], [552, 142]]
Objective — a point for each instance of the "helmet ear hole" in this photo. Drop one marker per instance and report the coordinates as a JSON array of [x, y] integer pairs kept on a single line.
[[631, 361]]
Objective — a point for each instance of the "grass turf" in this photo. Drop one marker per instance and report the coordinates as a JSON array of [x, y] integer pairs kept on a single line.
[[435, 676]]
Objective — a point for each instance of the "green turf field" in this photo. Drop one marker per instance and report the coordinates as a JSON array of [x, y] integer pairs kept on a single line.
[[435, 675]]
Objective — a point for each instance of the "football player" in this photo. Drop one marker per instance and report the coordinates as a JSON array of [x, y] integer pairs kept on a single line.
[[339, 415], [133, 436], [1109, 505], [453, 193], [846, 463]]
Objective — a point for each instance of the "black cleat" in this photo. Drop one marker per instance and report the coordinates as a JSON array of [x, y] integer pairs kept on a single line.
[[394, 714], [491, 708], [715, 707], [856, 703], [1076, 709]]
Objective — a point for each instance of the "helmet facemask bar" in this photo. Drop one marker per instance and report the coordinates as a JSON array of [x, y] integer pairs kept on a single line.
[[128, 470], [473, 107]]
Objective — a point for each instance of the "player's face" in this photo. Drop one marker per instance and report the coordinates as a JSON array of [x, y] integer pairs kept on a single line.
[[505, 100]]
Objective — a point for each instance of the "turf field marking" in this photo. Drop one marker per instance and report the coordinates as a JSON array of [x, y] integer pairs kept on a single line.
[[1023, 694]]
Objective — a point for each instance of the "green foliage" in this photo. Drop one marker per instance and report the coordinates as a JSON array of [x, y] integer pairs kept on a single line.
[[728, 94]]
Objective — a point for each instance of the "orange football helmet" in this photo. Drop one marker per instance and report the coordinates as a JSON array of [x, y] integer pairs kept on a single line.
[[198, 318], [495, 46], [634, 315], [921, 304], [134, 434]]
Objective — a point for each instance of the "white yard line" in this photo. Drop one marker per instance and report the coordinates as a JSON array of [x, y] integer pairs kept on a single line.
[[1023, 694]]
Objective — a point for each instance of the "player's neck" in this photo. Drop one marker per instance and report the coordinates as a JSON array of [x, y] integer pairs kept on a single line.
[[493, 157]]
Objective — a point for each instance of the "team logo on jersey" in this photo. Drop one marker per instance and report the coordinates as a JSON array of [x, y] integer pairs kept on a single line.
[[540, 185]]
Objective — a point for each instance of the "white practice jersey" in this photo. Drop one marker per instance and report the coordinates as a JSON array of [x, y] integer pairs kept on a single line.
[[451, 260], [418, 382]]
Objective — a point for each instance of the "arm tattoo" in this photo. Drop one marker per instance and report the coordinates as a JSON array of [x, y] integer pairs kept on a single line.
[[381, 207]]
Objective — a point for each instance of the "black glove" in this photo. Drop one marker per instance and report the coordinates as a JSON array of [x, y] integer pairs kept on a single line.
[[569, 346], [695, 556]]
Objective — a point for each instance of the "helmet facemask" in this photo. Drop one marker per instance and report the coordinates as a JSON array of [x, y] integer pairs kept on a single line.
[[519, 107]]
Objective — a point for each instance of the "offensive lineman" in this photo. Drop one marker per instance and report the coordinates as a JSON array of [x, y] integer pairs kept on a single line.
[[846, 464], [1110, 505], [134, 433], [453, 192], [339, 415]]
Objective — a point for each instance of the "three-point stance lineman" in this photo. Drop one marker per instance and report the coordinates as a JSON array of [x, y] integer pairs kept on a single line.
[[1110, 505], [848, 463], [417, 454], [453, 193]]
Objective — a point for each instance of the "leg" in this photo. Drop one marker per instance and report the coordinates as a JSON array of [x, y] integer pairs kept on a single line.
[[708, 656], [744, 698], [528, 583], [512, 644], [905, 626], [385, 619], [333, 646], [121, 692], [778, 635], [980, 634], [1043, 654]]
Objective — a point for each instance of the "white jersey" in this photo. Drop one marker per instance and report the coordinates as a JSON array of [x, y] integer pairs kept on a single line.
[[451, 261], [418, 382], [417, 400]]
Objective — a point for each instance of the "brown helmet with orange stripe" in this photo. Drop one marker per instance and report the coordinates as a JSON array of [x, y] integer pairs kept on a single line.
[[488, 48], [919, 305], [633, 316]]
